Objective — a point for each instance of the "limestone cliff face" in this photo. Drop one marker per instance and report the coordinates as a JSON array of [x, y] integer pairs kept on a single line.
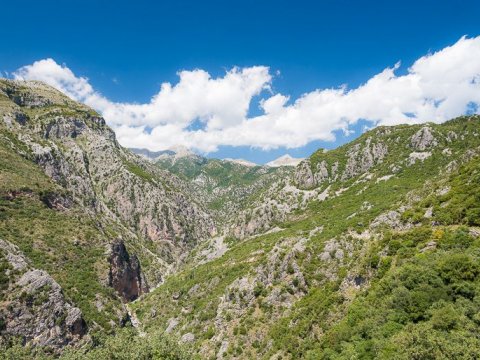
[[125, 274], [79, 151], [423, 139], [359, 158], [35, 307]]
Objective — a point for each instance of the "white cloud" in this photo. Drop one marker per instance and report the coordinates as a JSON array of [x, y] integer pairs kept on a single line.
[[437, 87]]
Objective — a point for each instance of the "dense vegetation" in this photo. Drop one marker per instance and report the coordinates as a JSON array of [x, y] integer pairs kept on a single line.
[[223, 185], [392, 315], [126, 344]]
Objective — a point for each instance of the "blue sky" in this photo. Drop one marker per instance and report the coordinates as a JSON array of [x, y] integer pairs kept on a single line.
[[128, 49]]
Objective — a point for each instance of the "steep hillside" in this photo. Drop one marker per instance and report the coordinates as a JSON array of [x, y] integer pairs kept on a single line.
[[367, 251], [69, 194], [395, 202], [379, 154], [226, 186]]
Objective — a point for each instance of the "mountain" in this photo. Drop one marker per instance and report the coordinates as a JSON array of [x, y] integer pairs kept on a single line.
[[370, 250], [241, 162], [356, 258], [226, 187], [173, 153], [181, 151], [285, 160], [151, 155], [68, 193]]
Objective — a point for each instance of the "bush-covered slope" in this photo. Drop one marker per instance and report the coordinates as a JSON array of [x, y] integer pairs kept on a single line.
[[68, 193], [294, 291], [367, 251], [225, 186]]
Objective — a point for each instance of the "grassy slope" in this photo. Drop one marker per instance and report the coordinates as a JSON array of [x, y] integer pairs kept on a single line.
[[67, 244], [299, 332]]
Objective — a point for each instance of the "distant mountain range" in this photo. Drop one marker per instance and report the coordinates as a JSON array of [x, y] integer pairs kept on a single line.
[[285, 160], [181, 151]]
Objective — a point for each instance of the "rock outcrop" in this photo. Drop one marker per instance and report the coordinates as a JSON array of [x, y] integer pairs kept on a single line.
[[363, 158], [423, 139], [304, 176], [34, 307], [125, 275]]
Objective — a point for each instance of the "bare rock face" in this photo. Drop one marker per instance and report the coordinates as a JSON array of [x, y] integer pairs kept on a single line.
[[361, 159], [390, 219], [125, 275], [304, 176], [322, 172], [56, 201], [40, 314], [13, 255], [79, 152], [35, 308], [423, 139]]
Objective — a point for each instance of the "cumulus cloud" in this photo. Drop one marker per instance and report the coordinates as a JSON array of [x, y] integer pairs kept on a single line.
[[436, 87]]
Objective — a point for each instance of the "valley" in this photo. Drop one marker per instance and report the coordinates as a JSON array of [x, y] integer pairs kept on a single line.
[[370, 250]]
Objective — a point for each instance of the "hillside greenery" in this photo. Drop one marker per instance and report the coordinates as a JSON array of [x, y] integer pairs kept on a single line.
[[389, 260], [225, 186], [385, 266], [67, 244]]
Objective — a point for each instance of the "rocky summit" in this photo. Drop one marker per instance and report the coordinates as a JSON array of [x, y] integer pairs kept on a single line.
[[370, 250]]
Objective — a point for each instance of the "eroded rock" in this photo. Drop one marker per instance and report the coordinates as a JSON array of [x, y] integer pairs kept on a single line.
[[35, 308], [423, 139], [125, 274]]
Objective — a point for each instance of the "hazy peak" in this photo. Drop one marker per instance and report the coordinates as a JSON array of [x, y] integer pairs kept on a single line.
[[241, 162], [285, 160]]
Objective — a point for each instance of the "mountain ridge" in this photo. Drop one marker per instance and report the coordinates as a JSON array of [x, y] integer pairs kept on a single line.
[[225, 260], [284, 160]]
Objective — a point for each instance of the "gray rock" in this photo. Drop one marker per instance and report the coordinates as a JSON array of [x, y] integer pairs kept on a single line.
[[14, 255], [125, 275], [428, 213], [361, 159], [423, 139], [339, 254], [431, 245], [188, 338], [418, 156], [39, 313], [304, 176], [391, 219], [172, 324]]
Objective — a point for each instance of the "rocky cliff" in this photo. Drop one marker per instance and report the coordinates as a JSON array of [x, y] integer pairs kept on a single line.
[[34, 306], [79, 152], [67, 189], [125, 274]]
